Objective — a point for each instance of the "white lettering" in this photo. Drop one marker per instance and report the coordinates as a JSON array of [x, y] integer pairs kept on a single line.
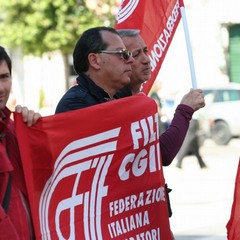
[[143, 132], [136, 134], [140, 163], [153, 234], [135, 201], [123, 171], [128, 224], [162, 42]]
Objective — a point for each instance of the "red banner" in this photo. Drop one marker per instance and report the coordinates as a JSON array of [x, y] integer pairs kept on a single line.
[[96, 173], [157, 21], [233, 226]]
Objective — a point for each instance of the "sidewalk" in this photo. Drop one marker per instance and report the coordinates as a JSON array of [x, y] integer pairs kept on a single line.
[[201, 199]]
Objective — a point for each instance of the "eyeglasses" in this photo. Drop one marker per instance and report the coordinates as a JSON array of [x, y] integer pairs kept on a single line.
[[124, 53]]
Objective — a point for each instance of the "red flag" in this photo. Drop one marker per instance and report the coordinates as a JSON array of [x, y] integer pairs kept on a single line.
[[233, 225], [96, 173], [157, 21]]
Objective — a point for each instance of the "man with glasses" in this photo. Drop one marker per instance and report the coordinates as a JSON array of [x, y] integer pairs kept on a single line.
[[172, 139], [103, 65], [141, 69]]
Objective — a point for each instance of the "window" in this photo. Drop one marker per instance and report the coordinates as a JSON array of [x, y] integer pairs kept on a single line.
[[227, 95], [234, 53]]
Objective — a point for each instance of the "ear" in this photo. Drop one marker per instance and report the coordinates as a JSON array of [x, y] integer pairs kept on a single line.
[[94, 60]]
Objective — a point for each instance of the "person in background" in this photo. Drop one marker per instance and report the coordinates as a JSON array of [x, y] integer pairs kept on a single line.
[[15, 218], [170, 140], [191, 145], [154, 95], [141, 69], [103, 65]]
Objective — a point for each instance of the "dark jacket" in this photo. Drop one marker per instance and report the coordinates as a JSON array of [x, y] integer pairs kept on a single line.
[[86, 93], [191, 141], [124, 92]]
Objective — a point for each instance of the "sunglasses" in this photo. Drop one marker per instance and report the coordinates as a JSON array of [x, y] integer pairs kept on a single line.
[[124, 53]]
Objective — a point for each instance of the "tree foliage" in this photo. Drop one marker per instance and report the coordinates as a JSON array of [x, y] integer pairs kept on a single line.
[[38, 26]]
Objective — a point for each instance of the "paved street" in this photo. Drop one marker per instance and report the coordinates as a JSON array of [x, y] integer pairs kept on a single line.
[[202, 199]]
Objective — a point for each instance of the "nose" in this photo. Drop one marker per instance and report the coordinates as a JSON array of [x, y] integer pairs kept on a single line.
[[130, 60]]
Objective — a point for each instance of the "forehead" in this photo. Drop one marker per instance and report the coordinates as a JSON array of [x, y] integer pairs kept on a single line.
[[3, 67], [134, 42], [112, 40]]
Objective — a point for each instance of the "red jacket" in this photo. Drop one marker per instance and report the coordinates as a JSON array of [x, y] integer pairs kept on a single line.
[[15, 223]]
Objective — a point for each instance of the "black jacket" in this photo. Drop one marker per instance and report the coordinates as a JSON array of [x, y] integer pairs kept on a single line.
[[86, 93]]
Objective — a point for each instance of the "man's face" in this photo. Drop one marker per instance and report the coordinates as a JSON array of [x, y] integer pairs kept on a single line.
[[5, 84], [141, 70], [116, 71]]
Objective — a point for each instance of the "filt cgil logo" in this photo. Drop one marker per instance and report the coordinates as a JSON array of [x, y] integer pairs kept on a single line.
[[126, 9]]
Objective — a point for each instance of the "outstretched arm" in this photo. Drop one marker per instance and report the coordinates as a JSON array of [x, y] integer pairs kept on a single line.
[[171, 140]]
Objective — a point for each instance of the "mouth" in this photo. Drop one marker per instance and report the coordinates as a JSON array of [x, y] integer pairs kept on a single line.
[[2, 97], [147, 70], [129, 71]]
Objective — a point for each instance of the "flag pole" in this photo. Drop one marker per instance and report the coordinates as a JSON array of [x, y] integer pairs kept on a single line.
[[189, 48]]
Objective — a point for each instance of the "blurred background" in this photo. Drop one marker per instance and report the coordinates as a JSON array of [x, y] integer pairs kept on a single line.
[[201, 199], [40, 36]]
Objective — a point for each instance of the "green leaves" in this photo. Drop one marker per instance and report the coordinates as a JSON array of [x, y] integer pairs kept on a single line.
[[38, 26]]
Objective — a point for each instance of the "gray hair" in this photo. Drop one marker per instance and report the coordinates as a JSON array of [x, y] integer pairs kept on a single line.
[[128, 32]]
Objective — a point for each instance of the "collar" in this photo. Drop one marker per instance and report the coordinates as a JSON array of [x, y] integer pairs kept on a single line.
[[87, 83], [124, 92], [5, 113], [4, 117]]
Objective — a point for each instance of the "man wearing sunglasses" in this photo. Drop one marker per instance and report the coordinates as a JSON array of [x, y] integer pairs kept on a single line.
[[172, 139], [103, 65]]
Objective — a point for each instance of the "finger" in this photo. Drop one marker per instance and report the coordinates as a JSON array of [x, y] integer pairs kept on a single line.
[[36, 116], [18, 109], [30, 117], [25, 113]]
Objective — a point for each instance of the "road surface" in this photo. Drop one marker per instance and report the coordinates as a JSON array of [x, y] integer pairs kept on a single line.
[[201, 199]]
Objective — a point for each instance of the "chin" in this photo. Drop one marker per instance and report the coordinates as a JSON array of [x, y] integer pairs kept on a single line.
[[128, 81], [144, 80]]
